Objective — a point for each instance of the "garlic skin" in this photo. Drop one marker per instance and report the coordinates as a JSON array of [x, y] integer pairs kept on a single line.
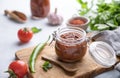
[[54, 19]]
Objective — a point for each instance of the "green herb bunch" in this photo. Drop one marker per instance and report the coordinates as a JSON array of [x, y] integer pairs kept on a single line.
[[106, 16]]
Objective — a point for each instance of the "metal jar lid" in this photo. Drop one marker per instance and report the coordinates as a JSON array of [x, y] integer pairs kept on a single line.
[[102, 53]]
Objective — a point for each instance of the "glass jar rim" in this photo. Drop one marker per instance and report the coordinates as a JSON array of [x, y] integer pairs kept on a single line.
[[71, 29]]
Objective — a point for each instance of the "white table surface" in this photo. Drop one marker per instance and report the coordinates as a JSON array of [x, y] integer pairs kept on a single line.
[[9, 42]]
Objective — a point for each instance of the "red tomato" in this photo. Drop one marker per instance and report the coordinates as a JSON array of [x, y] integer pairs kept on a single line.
[[19, 68], [25, 35]]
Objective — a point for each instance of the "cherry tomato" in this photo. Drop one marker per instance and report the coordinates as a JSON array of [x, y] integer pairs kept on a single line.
[[25, 34], [19, 68]]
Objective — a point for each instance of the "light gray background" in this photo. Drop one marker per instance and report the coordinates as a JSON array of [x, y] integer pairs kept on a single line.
[[9, 42]]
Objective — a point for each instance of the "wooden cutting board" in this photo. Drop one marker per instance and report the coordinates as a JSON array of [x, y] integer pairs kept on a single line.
[[87, 67]]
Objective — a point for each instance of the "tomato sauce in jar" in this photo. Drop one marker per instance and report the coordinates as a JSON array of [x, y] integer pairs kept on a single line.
[[40, 8], [71, 44]]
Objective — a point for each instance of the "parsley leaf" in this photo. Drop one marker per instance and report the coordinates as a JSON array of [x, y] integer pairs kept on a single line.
[[84, 7], [47, 65], [35, 30], [106, 16]]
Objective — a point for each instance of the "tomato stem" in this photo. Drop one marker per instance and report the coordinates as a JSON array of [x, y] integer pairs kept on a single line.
[[25, 29], [11, 73]]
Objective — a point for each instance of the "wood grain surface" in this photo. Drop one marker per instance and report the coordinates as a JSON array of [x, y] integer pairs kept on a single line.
[[86, 68]]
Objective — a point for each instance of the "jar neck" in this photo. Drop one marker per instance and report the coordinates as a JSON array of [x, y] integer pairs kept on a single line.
[[71, 35]]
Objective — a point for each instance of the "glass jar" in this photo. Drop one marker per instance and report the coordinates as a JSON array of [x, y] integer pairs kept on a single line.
[[70, 44], [40, 8]]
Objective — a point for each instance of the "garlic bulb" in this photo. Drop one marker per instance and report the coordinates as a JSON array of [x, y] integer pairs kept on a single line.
[[55, 19]]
